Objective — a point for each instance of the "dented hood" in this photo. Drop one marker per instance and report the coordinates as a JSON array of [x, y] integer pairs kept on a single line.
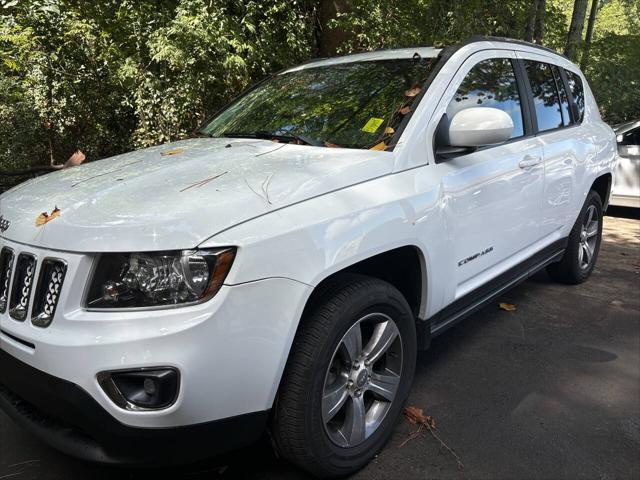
[[177, 195]]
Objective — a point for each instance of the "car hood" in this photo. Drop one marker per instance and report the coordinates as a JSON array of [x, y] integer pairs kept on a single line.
[[177, 195]]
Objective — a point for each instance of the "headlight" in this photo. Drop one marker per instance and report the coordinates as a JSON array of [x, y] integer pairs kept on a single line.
[[133, 280]]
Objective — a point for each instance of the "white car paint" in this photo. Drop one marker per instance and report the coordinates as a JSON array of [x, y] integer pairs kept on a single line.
[[297, 214]]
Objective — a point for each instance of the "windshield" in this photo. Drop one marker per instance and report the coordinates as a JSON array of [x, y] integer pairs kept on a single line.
[[351, 105]]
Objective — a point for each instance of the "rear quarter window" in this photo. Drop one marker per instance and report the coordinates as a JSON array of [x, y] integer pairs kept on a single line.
[[577, 92]]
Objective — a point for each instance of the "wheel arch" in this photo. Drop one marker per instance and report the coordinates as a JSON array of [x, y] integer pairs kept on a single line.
[[602, 186]]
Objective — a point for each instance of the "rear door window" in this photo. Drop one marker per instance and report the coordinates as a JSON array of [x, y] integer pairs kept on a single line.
[[490, 83], [577, 92], [545, 95]]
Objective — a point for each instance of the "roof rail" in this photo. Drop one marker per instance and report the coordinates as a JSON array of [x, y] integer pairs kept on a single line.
[[487, 38]]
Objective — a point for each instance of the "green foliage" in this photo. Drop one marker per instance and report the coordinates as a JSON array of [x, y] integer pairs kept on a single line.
[[114, 75], [615, 76]]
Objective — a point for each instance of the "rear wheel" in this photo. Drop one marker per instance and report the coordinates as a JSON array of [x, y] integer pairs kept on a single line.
[[583, 246], [348, 375]]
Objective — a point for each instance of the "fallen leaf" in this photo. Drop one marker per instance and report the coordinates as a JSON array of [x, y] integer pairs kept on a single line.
[[508, 307], [389, 130], [412, 92], [175, 151], [379, 146], [76, 159], [405, 110], [415, 416], [329, 144], [45, 217]]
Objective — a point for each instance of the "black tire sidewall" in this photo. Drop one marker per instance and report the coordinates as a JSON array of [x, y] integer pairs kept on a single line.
[[385, 299]]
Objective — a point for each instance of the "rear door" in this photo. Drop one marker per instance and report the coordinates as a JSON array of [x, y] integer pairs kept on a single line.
[[567, 146]]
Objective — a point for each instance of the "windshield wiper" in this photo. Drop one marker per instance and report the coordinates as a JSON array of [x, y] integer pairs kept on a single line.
[[268, 136]]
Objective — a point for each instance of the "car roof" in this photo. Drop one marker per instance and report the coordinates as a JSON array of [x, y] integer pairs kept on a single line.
[[393, 54], [410, 52], [625, 127]]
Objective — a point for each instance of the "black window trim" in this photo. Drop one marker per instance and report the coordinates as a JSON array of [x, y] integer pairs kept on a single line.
[[557, 81]]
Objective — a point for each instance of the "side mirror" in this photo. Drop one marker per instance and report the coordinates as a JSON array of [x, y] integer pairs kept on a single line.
[[479, 126]]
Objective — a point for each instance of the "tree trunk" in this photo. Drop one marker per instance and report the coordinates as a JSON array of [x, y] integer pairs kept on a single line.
[[329, 40], [587, 41], [538, 33], [574, 36], [531, 21]]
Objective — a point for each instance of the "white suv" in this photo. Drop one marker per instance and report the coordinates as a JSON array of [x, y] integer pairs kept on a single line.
[[281, 269]]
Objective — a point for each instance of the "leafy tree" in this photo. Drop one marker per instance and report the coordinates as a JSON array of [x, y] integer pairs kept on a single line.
[[114, 75]]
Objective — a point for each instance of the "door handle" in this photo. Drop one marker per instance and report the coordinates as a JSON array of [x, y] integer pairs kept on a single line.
[[530, 161]]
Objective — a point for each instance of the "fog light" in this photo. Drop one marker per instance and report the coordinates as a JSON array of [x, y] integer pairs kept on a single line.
[[141, 389]]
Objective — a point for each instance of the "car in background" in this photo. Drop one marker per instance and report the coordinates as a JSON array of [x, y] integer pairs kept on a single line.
[[626, 177]]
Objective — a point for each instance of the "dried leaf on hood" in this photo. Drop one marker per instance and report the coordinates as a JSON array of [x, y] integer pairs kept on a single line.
[[175, 151], [508, 307], [45, 217]]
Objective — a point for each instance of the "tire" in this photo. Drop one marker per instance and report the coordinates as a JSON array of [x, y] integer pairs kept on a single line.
[[581, 254], [309, 432]]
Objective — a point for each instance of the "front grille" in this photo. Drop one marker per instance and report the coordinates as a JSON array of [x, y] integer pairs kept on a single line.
[[17, 280], [48, 291], [6, 264], [21, 288]]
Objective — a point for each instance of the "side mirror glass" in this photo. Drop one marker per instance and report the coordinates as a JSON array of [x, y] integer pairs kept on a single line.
[[479, 126]]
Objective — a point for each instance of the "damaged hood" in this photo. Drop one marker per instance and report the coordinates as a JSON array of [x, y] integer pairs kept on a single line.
[[177, 195]]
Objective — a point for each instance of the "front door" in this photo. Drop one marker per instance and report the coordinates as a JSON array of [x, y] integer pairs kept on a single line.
[[493, 194]]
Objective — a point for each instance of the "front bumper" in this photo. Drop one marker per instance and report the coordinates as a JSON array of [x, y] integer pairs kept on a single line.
[[69, 419], [230, 352]]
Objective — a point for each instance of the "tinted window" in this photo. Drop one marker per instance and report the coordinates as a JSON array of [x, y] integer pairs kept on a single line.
[[545, 95], [564, 99], [491, 83], [575, 85]]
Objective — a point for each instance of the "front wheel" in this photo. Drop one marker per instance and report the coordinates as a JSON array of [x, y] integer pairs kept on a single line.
[[348, 375], [583, 245]]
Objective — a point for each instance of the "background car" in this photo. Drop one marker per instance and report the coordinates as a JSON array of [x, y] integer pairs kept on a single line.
[[626, 177]]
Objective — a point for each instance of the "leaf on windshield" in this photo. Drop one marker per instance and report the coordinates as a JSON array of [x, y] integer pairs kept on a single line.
[[379, 146], [507, 307], [389, 131], [45, 217], [405, 110], [412, 92]]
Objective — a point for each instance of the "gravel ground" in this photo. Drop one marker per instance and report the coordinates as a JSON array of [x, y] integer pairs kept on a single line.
[[548, 391]]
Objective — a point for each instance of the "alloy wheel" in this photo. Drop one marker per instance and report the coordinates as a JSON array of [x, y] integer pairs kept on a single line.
[[588, 238], [362, 380]]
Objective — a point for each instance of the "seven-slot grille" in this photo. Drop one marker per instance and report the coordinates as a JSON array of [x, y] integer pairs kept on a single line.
[[17, 279]]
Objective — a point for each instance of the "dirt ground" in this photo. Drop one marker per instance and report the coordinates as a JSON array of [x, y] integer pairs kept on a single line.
[[548, 391]]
